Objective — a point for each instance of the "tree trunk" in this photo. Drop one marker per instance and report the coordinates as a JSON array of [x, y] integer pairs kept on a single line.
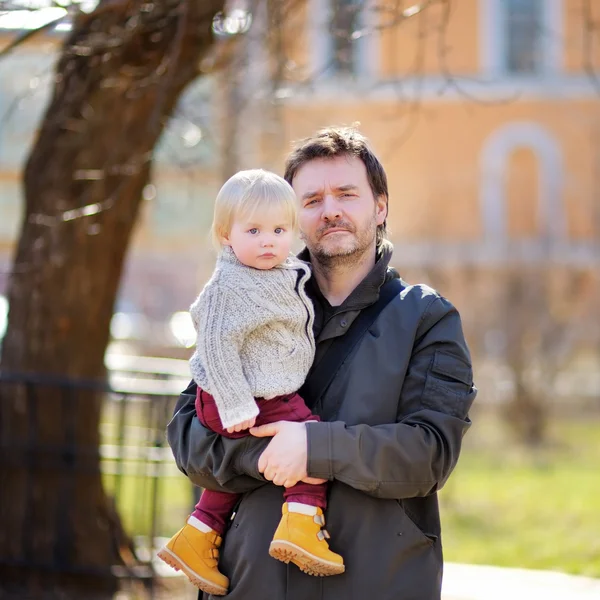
[[526, 414], [526, 310], [117, 81]]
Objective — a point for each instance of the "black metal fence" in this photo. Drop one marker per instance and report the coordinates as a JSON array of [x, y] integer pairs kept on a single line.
[[148, 498]]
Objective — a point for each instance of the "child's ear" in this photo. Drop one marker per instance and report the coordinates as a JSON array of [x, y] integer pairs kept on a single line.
[[225, 240]]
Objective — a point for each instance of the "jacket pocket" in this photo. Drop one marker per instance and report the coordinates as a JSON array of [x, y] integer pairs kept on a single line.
[[429, 538], [448, 385], [452, 368]]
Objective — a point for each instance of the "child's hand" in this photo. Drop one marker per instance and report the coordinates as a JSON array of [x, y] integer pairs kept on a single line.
[[242, 426]]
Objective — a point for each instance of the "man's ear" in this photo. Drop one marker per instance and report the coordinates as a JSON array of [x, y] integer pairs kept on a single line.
[[382, 209]]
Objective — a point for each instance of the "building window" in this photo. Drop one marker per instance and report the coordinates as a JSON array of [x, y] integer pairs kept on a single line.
[[545, 158], [522, 191], [344, 26], [344, 40], [524, 36], [521, 38]]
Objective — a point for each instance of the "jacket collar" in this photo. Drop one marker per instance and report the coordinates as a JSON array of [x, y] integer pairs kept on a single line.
[[367, 291], [331, 321]]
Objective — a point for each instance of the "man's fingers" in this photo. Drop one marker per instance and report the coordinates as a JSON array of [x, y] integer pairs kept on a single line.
[[268, 430], [269, 473], [314, 480], [279, 479], [262, 463]]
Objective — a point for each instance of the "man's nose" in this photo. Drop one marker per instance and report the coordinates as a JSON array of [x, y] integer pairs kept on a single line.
[[331, 208]]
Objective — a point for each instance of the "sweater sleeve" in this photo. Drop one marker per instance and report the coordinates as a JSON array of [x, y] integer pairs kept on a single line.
[[213, 461], [223, 320]]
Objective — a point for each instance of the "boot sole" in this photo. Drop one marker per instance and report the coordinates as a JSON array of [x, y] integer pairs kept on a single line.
[[308, 563], [202, 584]]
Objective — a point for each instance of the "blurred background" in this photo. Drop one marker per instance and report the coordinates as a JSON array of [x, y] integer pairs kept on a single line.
[[118, 123]]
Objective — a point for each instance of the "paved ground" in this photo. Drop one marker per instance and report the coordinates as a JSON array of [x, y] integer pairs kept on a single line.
[[461, 582], [474, 582]]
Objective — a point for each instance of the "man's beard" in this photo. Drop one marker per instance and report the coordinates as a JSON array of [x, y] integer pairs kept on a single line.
[[348, 254]]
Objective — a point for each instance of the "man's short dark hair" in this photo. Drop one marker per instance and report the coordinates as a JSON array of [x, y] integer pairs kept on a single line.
[[332, 142]]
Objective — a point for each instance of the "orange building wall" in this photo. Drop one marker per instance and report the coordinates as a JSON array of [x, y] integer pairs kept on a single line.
[[576, 53], [432, 147], [433, 157], [431, 41]]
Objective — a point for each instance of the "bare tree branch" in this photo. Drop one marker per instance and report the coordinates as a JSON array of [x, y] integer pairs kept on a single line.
[[590, 28], [28, 35]]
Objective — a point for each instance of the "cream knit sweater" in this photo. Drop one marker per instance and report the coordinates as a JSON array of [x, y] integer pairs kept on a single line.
[[254, 334]]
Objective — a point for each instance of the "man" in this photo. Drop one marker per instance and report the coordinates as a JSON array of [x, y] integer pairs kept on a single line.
[[393, 412]]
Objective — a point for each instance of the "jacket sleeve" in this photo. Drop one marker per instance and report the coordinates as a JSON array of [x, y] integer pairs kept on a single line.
[[414, 456], [209, 460]]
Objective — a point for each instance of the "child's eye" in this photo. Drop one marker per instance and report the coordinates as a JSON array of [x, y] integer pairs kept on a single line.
[[279, 230], [253, 231]]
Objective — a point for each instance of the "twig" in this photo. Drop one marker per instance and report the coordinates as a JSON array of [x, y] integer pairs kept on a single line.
[[589, 28], [27, 35]]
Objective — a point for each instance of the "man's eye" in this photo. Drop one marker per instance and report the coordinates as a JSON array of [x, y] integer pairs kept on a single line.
[[313, 201], [253, 231], [279, 230]]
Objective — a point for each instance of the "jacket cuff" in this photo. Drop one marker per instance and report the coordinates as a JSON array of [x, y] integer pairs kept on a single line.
[[247, 462], [318, 440]]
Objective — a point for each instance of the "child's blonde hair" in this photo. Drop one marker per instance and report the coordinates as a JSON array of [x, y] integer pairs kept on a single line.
[[247, 192]]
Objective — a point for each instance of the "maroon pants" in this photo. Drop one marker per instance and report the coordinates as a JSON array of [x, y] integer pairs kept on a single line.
[[215, 508]]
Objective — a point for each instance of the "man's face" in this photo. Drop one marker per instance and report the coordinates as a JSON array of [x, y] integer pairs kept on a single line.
[[338, 214]]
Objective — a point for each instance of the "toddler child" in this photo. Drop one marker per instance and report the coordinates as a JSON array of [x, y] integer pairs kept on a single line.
[[254, 349]]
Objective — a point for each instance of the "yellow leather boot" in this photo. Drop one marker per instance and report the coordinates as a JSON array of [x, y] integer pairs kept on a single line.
[[300, 539], [196, 554]]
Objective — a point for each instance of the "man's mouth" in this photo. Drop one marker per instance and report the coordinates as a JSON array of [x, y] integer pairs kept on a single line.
[[334, 230]]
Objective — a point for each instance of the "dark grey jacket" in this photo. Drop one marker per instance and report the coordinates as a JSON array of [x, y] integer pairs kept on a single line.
[[395, 416]]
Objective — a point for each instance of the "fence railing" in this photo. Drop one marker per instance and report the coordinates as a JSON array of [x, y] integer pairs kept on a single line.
[[128, 454]]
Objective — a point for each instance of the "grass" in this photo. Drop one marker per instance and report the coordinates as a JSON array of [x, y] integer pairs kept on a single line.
[[503, 505], [539, 510], [136, 498], [137, 483]]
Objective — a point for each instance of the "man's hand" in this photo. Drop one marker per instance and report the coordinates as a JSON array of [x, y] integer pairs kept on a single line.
[[314, 480], [284, 460]]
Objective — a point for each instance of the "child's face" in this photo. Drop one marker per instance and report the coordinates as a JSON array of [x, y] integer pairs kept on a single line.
[[262, 241]]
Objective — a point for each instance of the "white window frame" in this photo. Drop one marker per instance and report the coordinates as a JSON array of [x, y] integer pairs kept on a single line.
[[321, 44], [492, 40]]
